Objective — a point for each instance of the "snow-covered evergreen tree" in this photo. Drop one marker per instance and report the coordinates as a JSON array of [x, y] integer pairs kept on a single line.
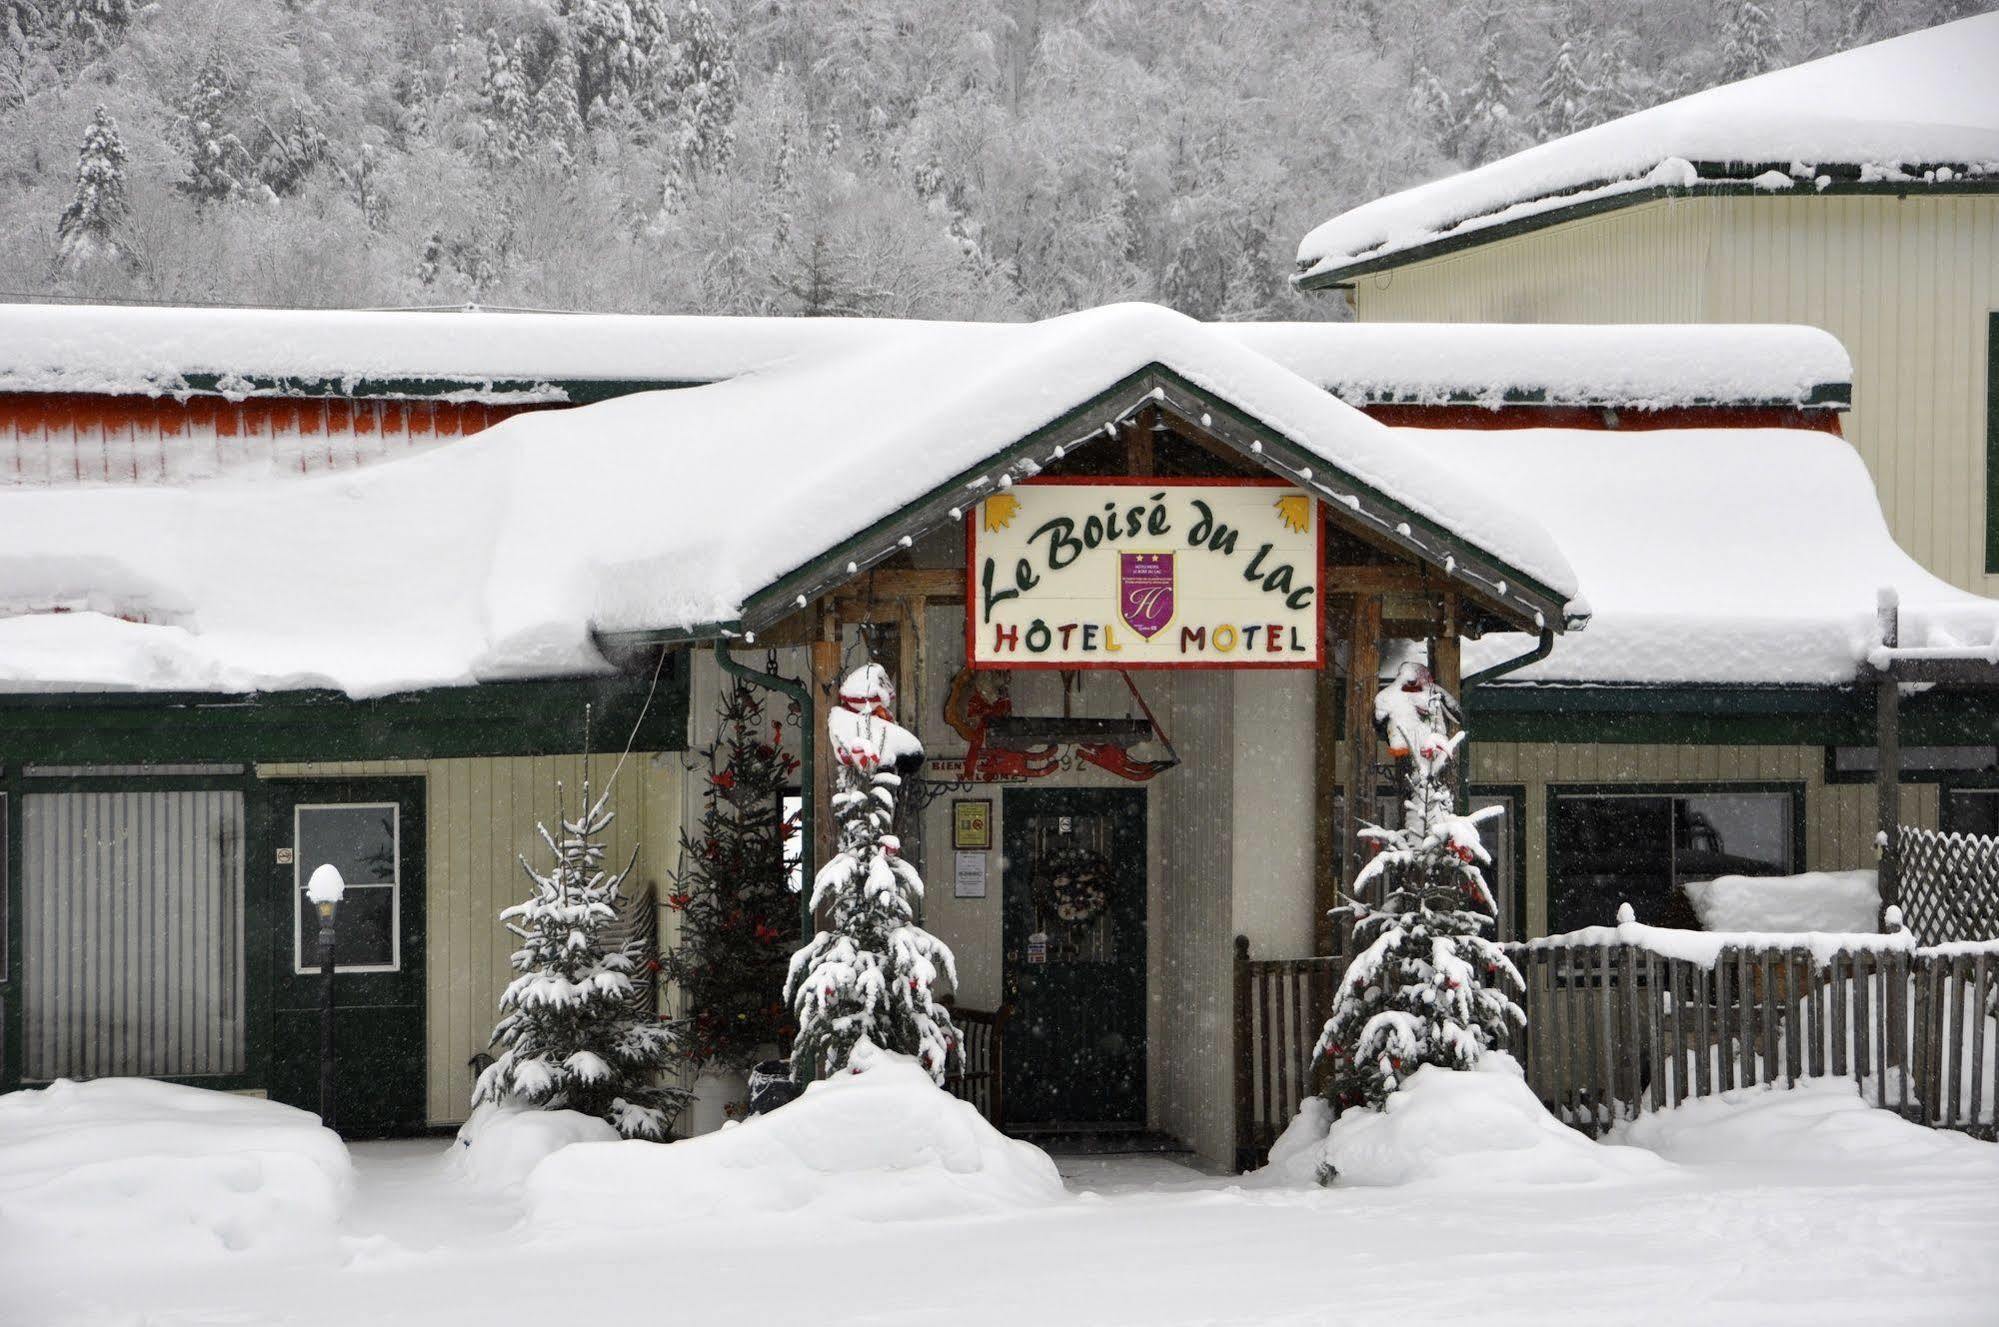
[[1428, 986], [568, 1039], [870, 972], [703, 85], [1566, 99], [1484, 127], [503, 106], [217, 162], [1748, 40], [89, 225]]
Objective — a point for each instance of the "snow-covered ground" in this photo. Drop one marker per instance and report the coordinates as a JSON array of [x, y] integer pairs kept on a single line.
[[1769, 1207]]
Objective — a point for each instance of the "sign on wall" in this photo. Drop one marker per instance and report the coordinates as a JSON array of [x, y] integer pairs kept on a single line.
[[1144, 573]]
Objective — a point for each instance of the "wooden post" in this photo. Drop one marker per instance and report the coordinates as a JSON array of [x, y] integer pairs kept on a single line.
[[1245, 1049], [1363, 680], [1888, 753], [1327, 825], [1446, 666], [825, 685]]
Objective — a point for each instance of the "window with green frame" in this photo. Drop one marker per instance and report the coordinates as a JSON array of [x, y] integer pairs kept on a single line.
[[1992, 443], [1611, 846]]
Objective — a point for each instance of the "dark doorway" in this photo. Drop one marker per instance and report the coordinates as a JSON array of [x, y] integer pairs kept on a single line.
[[372, 829], [1075, 956]]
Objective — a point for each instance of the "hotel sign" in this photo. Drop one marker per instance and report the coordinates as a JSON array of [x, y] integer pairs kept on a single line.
[[1144, 573]]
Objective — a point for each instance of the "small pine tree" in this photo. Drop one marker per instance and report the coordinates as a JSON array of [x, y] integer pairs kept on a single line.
[[869, 974], [1566, 99], [554, 128], [567, 1038], [1427, 987], [734, 896], [88, 227], [1748, 41], [217, 162]]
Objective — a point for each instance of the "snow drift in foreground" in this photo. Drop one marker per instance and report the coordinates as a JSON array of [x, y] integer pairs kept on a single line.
[[500, 1145], [157, 1171], [879, 1144], [1822, 1125], [1480, 1127]]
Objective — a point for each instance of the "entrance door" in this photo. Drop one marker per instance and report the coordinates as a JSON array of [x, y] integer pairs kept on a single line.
[[1075, 956], [372, 829]]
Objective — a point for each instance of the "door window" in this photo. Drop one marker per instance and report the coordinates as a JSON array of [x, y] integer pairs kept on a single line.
[[364, 841]]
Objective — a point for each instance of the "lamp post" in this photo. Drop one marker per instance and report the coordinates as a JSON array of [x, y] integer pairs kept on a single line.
[[325, 889]]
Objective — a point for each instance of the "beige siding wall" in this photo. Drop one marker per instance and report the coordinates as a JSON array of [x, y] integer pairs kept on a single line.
[[1906, 284], [1839, 817], [479, 816]]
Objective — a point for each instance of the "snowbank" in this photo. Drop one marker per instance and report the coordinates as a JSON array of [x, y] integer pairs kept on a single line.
[[1724, 556], [1474, 1128], [1821, 1123], [1835, 901], [880, 1145], [1925, 102], [500, 1144], [157, 1171], [1704, 947]]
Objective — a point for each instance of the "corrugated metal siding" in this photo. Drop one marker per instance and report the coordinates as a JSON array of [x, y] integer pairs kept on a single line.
[[1905, 283], [58, 440], [1195, 979], [132, 912], [479, 817]]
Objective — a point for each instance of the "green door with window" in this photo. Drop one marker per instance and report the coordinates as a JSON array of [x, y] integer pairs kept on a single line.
[[372, 829], [1075, 956]]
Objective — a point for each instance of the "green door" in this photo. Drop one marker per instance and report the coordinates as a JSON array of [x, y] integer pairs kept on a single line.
[[1075, 956], [372, 829]]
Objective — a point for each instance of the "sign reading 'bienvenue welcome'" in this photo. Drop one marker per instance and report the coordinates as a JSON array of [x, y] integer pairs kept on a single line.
[[1144, 573]]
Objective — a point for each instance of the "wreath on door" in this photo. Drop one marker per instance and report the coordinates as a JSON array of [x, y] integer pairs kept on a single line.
[[1076, 884]]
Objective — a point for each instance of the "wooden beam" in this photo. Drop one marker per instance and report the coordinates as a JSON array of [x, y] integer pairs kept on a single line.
[[825, 684], [906, 583], [1380, 578], [1326, 822], [1138, 457]]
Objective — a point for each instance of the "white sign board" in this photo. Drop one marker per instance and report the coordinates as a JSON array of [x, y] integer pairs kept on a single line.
[[1145, 573], [969, 879]]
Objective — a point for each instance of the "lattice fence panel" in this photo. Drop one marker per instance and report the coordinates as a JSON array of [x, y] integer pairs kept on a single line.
[[1949, 885]]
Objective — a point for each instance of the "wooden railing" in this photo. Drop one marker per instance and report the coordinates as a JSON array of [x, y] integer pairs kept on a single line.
[[1613, 1029], [982, 1040]]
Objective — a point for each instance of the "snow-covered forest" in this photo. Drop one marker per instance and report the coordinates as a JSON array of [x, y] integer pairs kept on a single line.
[[925, 158]]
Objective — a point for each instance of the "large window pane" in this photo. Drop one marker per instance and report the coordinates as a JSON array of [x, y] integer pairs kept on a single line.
[[1971, 811], [1611, 849], [363, 840], [132, 921]]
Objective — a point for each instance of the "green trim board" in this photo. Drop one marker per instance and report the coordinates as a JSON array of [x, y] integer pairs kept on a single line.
[[1343, 274], [1992, 443], [1823, 396], [1723, 715], [489, 719]]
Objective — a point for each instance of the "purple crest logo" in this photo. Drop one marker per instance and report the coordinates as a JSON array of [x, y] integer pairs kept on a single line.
[[1145, 591]]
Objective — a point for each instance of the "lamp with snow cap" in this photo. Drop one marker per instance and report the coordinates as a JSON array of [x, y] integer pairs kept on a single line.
[[325, 889]]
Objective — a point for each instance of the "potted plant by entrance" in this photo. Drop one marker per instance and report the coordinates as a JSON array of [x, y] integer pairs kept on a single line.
[[737, 913]]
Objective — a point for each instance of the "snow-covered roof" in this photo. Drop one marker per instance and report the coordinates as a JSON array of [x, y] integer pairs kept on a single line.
[[520, 357], [1728, 556], [1633, 367], [125, 350], [650, 512], [1915, 110]]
